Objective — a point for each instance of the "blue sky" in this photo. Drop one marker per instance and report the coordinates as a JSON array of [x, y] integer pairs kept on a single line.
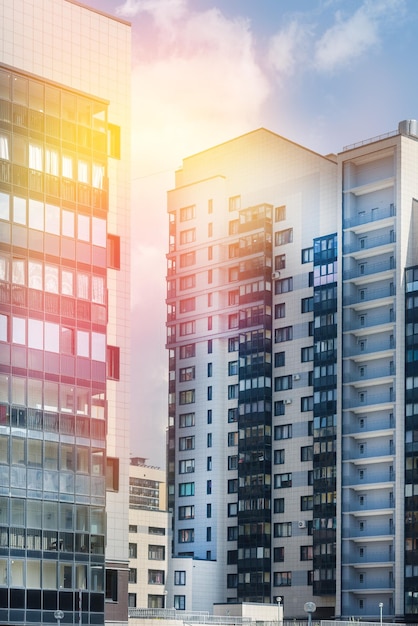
[[324, 73]]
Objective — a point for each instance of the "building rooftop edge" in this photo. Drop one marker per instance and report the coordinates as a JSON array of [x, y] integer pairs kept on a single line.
[[83, 5]]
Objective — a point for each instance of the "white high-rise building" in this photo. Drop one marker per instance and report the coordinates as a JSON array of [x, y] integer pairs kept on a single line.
[[64, 313], [291, 313]]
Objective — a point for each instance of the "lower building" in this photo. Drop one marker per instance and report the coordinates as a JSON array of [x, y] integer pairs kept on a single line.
[[149, 537]]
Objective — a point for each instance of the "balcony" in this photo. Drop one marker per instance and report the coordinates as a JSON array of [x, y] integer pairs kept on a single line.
[[365, 220], [365, 247]]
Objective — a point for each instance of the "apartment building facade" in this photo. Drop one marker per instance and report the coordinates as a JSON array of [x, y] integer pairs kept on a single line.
[[64, 344], [149, 536], [290, 331]]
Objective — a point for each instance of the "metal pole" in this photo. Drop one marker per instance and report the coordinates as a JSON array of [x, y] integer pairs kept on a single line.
[[381, 612]]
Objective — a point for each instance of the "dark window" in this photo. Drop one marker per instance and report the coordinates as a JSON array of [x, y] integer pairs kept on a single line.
[[307, 255], [112, 585], [113, 362], [113, 251], [278, 505], [112, 474], [306, 305], [279, 213], [279, 359], [278, 554], [279, 310]]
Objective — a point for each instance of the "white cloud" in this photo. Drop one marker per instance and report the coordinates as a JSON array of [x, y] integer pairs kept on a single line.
[[288, 48], [352, 37], [164, 10], [202, 86]]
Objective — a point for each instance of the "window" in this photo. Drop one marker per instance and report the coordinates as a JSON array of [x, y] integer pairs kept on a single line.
[[133, 551], [187, 282], [156, 553], [187, 373], [187, 213], [233, 485], [209, 416], [180, 603], [187, 397], [233, 297], [156, 530], [133, 528], [186, 535], [306, 305], [233, 320], [113, 251], [233, 250], [111, 585], [187, 236], [306, 453], [283, 286], [278, 554], [209, 440], [156, 577], [232, 581], [186, 489], [233, 344], [233, 439], [232, 415], [279, 359], [186, 443], [281, 481], [208, 510], [306, 403], [279, 310], [307, 255], [208, 533], [283, 334], [233, 227], [210, 370], [187, 351], [282, 579], [232, 557], [186, 419], [179, 577], [232, 368], [234, 203], [186, 512], [232, 509], [283, 236], [233, 274], [187, 259], [306, 503], [232, 462], [283, 529], [283, 432], [186, 466], [112, 474], [279, 457], [279, 213], [208, 487], [278, 505], [187, 305], [232, 392], [187, 328], [209, 393], [279, 407], [132, 600], [280, 262], [232, 533], [282, 383], [307, 354]]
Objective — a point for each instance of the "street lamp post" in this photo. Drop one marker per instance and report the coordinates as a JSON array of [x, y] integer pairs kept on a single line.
[[381, 612], [309, 608]]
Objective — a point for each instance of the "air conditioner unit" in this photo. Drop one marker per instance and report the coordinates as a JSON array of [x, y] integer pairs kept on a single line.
[[189, 469], [296, 376], [301, 524], [288, 401], [275, 275]]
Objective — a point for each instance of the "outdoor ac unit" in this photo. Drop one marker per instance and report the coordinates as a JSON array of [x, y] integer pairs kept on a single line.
[[288, 401], [189, 468], [302, 524], [275, 275], [296, 376]]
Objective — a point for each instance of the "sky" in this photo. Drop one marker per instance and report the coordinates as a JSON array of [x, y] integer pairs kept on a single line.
[[323, 73]]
